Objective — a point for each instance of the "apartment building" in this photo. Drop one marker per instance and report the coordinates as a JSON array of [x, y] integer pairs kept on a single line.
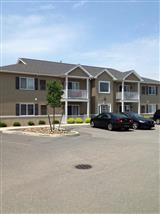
[[88, 90]]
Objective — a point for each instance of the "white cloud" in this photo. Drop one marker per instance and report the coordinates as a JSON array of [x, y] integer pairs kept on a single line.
[[79, 4], [43, 7], [140, 55], [34, 36]]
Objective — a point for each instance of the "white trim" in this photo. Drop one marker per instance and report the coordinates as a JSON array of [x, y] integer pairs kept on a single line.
[[135, 73], [27, 78], [19, 59], [79, 66], [27, 109], [105, 70], [109, 87], [100, 104]]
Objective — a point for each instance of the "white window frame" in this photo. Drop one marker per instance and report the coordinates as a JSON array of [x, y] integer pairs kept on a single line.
[[102, 92], [100, 109], [152, 109], [152, 88], [27, 109], [128, 87], [27, 80], [73, 84]]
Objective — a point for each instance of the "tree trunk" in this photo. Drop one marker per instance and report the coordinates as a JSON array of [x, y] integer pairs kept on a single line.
[[53, 118], [50, 122]]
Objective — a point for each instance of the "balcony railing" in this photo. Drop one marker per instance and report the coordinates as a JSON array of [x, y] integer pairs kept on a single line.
[[127, 95], [76, 94]]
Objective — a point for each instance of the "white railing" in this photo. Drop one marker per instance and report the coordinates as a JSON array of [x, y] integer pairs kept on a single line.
[[76, 94], [127, 95]]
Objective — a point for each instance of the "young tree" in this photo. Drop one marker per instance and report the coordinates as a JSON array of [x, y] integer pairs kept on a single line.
[[54, 96]]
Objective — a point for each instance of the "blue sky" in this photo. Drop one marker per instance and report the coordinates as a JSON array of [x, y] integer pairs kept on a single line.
[[119, 34]]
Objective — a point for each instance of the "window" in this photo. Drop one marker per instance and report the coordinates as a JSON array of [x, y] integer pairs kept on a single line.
[[27, 109], [43, 110], [152, 90], [151, 108], [26, 83], [73, 85], [104, 87], [104, 108], [42, 84]]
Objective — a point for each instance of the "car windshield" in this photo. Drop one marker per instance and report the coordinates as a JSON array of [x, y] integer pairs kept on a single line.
[[119, 115]]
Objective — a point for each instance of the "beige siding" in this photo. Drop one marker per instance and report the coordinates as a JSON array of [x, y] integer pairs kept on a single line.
[[132, 77], [152, 99], [78, 72], [9, 95], [104, 98]]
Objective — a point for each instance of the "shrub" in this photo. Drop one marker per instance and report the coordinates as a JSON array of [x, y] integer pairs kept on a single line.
[[70, 120], [2, 124], [87, 120], [16, 124], [56, 121], [41, 122], [78, 120], [31, 123]]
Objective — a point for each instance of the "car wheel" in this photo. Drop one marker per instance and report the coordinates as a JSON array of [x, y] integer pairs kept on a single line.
[[158, 121], [92, 124], [135, 125], [110, 127]]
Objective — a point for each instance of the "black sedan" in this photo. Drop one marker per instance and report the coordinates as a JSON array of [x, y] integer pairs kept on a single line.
[[139, 122], [112, 121]]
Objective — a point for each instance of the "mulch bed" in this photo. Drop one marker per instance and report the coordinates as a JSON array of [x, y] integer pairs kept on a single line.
[[46, 130]]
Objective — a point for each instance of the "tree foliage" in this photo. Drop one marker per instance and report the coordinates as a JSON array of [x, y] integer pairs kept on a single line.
[[54, 95]]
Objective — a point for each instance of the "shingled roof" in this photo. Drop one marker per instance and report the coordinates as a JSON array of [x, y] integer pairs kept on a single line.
[[43, 67]]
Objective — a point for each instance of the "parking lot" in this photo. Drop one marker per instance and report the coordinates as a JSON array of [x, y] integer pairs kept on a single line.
[[39, 174]]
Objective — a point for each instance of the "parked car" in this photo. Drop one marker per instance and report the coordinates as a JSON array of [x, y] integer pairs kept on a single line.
[[112, 121], [156, 116], [139, 122]]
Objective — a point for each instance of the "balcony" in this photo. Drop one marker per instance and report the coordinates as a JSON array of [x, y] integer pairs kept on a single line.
[[76, 94], [127, 95]]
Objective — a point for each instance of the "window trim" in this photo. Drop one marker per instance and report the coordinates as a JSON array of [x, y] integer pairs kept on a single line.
[[102, 92], [152, 104], [27, 88], [100, 110], [26, 109], [153, 86]]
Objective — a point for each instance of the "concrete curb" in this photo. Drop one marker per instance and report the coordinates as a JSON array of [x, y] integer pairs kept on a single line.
[[72, 133], [41, 126]]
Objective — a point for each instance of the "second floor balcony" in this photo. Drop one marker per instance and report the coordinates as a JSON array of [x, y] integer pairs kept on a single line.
[[76, 94], [127, 96]]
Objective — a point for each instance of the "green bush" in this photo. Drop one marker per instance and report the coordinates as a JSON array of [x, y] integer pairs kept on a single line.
[[78, 120], [41, 122], [87, 120], [31, 123], [56, 121], [70, 120], [2, 124], [16, 124]]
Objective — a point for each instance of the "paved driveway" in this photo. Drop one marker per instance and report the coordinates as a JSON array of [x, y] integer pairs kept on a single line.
[[38, 173]]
